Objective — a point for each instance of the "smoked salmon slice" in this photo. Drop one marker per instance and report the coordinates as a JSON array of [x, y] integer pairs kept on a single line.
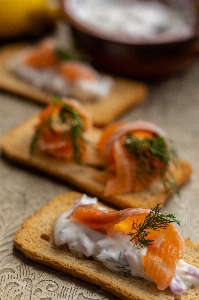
[[42, 55], [165, 247], [165, 250], [60, 129], [135, 154], [76, 70], [102, 220]]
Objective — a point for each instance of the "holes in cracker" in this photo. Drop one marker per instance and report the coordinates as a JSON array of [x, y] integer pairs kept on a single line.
[[45, 237]]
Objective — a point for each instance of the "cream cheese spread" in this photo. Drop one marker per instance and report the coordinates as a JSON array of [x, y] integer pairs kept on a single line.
[[116, 252]]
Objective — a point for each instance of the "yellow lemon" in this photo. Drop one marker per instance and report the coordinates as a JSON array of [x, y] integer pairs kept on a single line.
[[24, 16]]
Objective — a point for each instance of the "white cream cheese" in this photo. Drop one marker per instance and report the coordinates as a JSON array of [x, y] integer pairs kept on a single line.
[[116, 252]]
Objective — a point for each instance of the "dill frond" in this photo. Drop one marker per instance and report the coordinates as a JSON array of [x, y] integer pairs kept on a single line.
[[68, 54], [152, 157], [37, 134], [153, 221], [75, 127], [123, 268]]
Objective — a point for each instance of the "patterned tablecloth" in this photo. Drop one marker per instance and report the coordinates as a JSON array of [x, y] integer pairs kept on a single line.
[[173, 104]]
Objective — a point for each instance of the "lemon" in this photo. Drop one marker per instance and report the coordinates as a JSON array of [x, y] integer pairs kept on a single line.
[[24, 16]]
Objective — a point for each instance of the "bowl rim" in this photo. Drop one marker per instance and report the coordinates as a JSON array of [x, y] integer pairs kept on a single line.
[[168, 39]]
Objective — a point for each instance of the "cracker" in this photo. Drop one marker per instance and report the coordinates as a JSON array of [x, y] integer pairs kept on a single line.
[[35, 240], [15, 146], [124, 95]]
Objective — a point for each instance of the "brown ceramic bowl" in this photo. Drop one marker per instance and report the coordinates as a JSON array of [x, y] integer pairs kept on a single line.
[[145, 56]]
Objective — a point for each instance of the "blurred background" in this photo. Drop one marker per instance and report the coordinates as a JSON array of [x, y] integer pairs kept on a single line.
[[27, 18], [143, 58]]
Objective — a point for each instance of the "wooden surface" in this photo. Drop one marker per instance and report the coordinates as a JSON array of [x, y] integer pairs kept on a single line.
[[173, 104]]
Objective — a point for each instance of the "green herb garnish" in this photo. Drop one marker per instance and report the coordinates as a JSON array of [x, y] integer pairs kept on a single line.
[[37, 134], [123, 268], [154, 220], [68, 54], [152, 157], [75, 127]]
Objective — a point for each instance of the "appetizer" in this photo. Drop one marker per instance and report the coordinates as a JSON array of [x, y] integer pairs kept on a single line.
[[131, 253], [135, 154], [126, 164], [41, 84], [60, 72], [60, 131]]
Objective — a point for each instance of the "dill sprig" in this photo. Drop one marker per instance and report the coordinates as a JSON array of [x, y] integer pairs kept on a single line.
[[75, 127], [69, 54], [69, 116], [152, 157], [34, 142], [123, 268], [153, 221], [37, 134]]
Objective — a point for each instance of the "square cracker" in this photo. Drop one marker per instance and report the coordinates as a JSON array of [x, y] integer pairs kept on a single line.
[[35, 240], [15, 146]]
